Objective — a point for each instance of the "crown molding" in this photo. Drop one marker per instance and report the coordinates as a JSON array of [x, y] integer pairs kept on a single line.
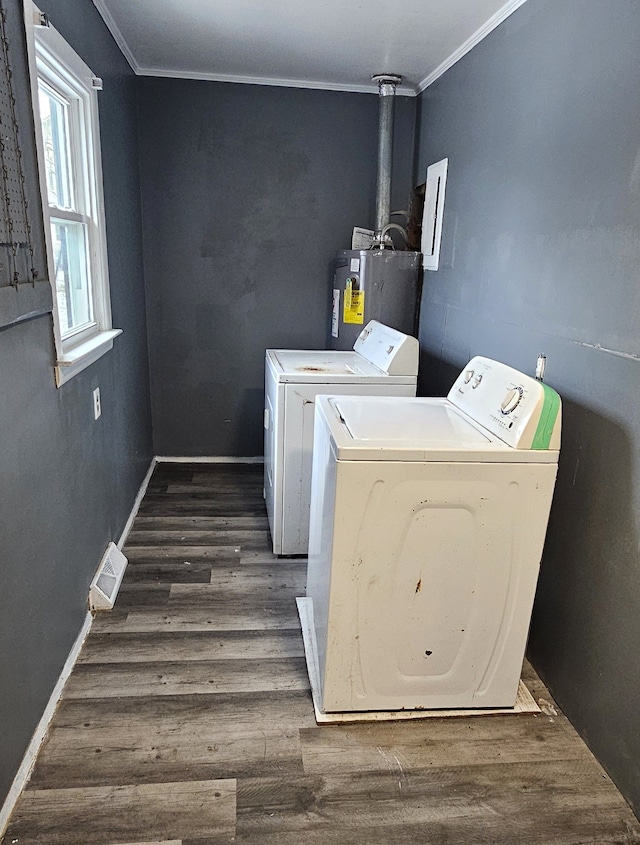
[[118, 37], [407, 91], [471, 42]]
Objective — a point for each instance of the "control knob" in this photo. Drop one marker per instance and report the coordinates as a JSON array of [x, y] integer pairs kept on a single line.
[[511, 400]]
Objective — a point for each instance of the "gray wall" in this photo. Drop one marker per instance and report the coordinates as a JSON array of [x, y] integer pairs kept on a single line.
[[248, 191], [541, 125], [67, 483]]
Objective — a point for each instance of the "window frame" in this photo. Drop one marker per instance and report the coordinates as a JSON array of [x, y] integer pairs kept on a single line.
[[54, 61]]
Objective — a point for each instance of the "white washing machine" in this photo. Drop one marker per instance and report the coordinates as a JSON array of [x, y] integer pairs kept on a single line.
[[428, 519], [383, 362]]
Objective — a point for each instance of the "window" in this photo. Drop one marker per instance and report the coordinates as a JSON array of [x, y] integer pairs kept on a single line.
[[65, 105]]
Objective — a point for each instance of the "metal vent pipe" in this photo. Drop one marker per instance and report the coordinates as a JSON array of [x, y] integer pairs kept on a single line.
[[387, 83]]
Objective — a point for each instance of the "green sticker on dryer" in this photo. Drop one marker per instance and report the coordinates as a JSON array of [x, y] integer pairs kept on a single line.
[[548, 417]]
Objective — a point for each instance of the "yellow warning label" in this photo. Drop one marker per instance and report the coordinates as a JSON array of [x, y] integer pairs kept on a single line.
[[353, 306]]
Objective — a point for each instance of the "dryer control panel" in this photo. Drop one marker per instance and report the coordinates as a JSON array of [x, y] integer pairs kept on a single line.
[[391, 351], [523, 412]]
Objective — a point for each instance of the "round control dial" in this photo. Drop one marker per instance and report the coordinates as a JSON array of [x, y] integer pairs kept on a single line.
[[511, 400], [468, 376]]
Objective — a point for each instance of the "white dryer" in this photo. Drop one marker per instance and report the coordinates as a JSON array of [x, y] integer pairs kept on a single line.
[[383, 362], [428, 519]]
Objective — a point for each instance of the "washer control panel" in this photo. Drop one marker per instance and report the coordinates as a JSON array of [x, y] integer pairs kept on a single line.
[[515, 407]]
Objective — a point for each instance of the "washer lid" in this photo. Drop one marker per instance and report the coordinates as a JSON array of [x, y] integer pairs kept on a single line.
[[308, 366], [385, 428]]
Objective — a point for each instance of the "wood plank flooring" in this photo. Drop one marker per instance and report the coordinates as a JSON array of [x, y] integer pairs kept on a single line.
[[188, 718]]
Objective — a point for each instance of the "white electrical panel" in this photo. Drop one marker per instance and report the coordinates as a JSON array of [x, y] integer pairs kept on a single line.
[[433, 213]]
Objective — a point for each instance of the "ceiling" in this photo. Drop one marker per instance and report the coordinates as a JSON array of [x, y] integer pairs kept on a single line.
[[332, 44]]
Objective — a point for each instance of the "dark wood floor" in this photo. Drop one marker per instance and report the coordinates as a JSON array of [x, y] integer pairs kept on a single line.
[[188, 718]]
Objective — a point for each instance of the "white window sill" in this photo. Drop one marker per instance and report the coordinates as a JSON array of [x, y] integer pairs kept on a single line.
[[75, 360]]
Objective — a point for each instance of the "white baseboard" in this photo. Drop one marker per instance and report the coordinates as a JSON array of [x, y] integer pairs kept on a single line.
[[166, 459], [136, 504], [29, 759]]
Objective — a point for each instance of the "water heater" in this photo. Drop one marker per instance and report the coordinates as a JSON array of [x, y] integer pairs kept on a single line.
[[373, 284]]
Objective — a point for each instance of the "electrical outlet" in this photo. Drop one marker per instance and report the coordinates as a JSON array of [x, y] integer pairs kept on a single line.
[[541, 364], [97, 409]]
